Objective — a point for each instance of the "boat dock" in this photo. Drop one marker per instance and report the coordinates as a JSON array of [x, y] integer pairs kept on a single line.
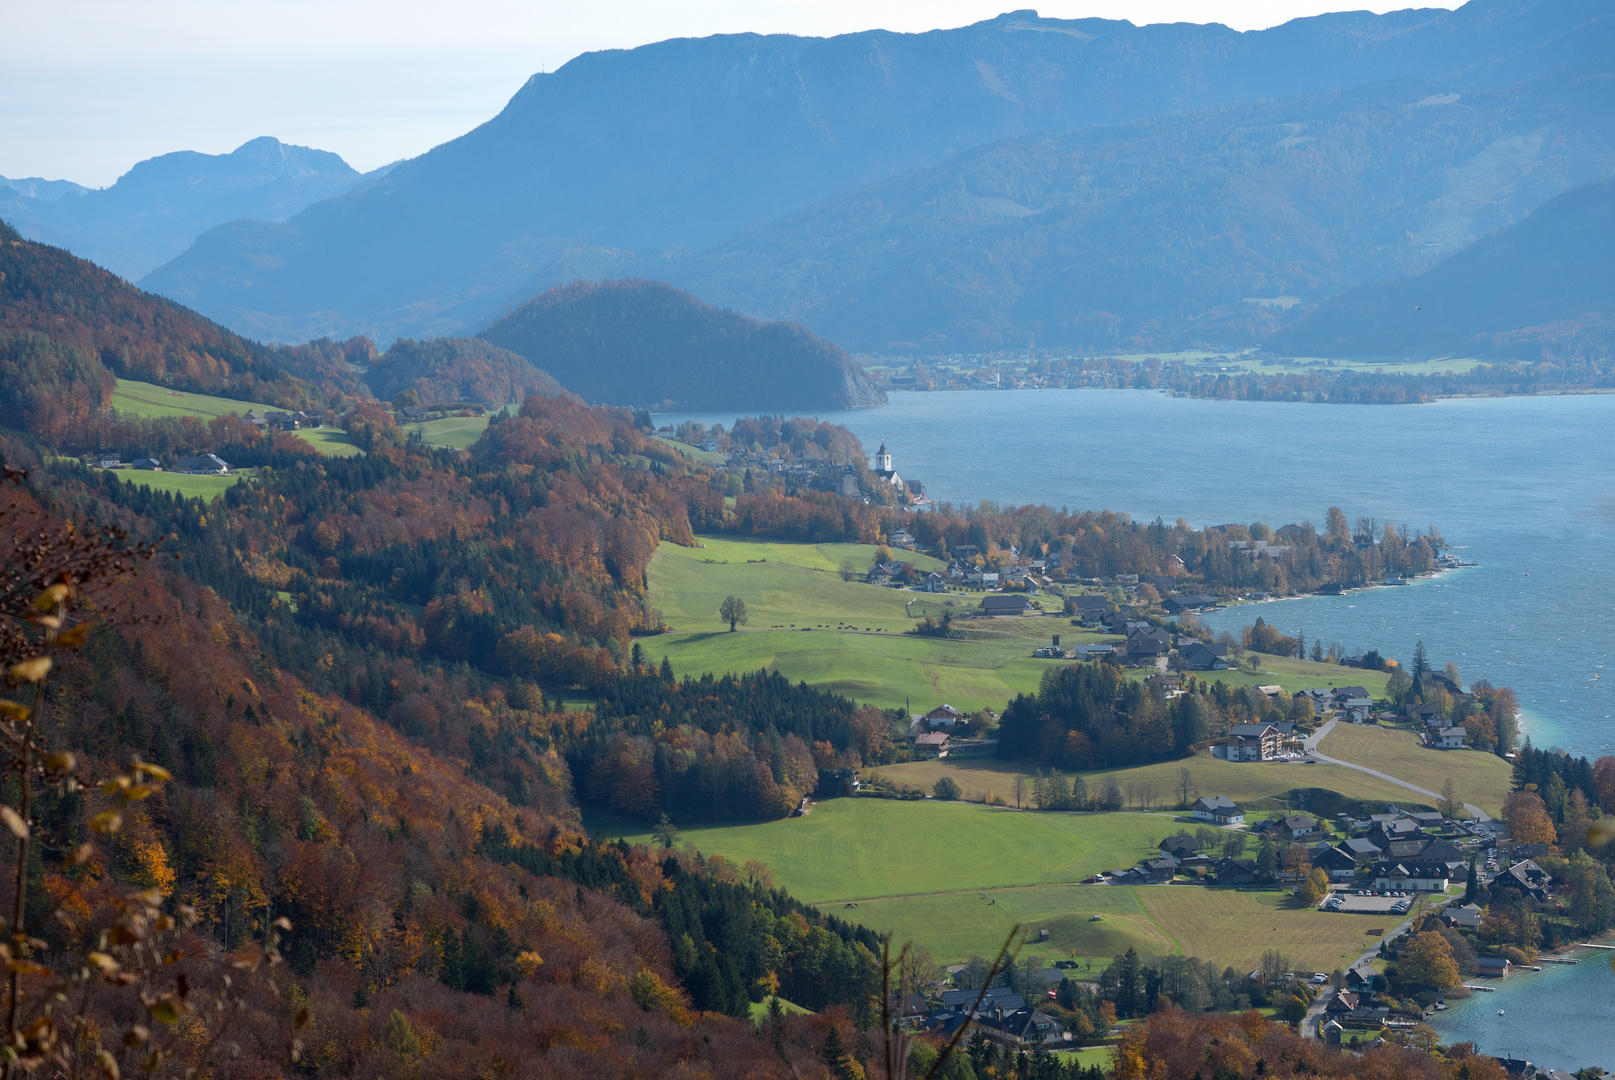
[[1590, 945], [1488, 989], [1558, 960]]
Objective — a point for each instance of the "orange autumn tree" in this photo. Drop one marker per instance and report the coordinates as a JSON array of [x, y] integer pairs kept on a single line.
[[1527, 818]]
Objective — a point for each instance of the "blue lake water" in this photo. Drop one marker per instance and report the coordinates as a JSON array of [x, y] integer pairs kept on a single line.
[[1562, 1017], [1523, 486]]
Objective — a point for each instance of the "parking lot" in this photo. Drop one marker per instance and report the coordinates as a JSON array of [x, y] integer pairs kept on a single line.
[[1369, 905]]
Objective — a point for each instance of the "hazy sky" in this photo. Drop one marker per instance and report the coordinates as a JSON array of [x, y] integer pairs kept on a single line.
[[89, 87]]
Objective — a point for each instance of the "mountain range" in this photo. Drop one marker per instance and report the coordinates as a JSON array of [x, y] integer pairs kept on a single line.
[[156, 209], [863, 184]]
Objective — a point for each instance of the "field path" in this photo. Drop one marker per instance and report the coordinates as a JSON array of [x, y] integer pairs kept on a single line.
[[1311, 746]]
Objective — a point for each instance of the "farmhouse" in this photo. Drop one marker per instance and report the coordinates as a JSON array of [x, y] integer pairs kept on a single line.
[[1149, 642], [1293, 827], [1179, 846], [1336, 863], [944, 718], [902, 538], [147, 464], [1250, 742], [1004, 605], [1234, 872], [1219, 809], [933, 744], [205, 465], [1177, 605], [1023, 1027], [1090, 608], [1202, 657], [1468, 917], [1411, 876]]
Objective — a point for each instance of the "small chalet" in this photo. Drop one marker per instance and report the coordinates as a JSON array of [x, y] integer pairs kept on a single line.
[[1294, 827], [1527, 877], [934, 583], [1090, 608], [1234, 872], [1219, 809], [1468, 917], [1449, 738], [901, 538], [933, 743]]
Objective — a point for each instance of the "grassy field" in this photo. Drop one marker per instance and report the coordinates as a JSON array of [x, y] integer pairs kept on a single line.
[[1235, 928], [972, 922], [759, 1010], [203, 487], [1242, 781], [1293, 675], [957, 878], [1089, 1056], [329, 440], [459, 432], [846, 636], [151, 400], [858, 849], [1481, 778]]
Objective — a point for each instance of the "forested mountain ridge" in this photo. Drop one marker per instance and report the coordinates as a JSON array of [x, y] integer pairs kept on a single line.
[[718, 135], [645, 343], [1543, 283], [1164, 233], [161, 205], [136, 334]]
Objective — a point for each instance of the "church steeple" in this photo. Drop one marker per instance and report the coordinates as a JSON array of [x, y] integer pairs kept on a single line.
[[883, 459]]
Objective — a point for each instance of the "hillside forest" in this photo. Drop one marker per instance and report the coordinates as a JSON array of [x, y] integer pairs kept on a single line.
[[328, 733]]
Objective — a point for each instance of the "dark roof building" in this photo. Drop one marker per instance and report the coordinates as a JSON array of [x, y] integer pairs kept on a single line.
[[1004, 605]]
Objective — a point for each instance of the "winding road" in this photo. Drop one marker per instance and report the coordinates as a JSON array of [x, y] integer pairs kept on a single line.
[[1310, 743]]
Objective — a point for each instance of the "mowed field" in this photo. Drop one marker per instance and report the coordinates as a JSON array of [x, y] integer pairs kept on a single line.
[[846, 636], [1242, 781], [859, 849], [1235, 928], [459, 432], [200, 487], [1480, 778], [149, 399], [958, 878]]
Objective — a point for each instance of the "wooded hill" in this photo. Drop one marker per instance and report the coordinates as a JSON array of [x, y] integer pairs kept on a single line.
[[448, 370], [644, 343]]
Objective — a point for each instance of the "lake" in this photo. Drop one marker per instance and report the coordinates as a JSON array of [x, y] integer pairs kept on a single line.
[[1525, 487], [1536, 1023]]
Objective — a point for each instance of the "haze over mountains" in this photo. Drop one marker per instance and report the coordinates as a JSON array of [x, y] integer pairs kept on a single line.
[[1546, 280], [157, 208], [736, 165]]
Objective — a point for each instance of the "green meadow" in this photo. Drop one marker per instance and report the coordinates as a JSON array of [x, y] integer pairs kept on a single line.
[[805, 622], [150, 400], [201, 487], [958, 878], [458, 432]]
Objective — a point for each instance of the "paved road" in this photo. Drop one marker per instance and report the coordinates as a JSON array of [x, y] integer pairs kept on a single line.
[[1311, 746], [1314, 1017]]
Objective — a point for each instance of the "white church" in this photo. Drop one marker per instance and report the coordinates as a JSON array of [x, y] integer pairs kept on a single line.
[[883, 466]]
